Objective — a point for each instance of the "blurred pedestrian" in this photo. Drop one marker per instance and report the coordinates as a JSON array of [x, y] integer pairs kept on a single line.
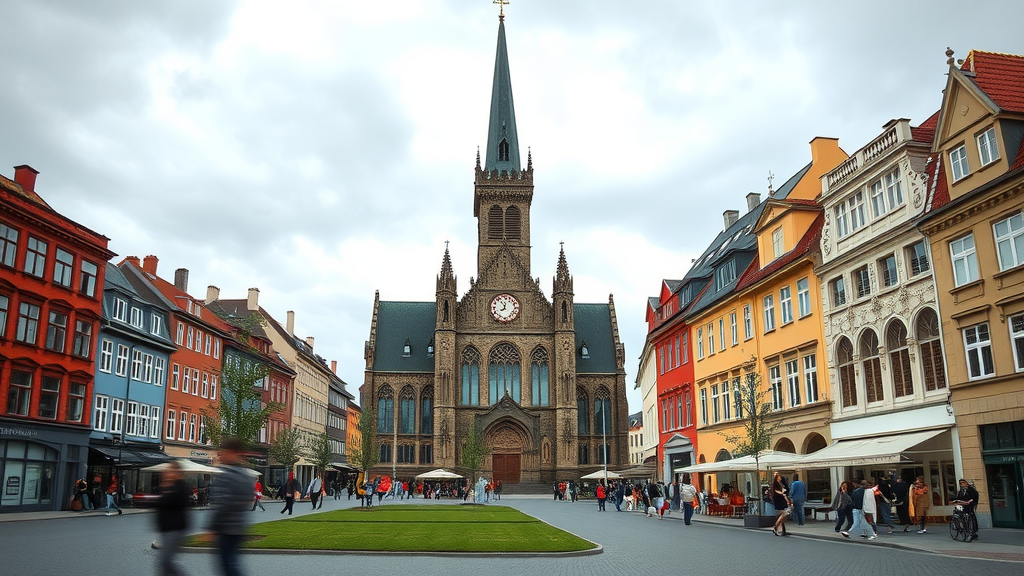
[[287, 493], [229, 501], [111, 495], [171, 518]]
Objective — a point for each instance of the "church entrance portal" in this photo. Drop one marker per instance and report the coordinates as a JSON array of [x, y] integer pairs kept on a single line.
[[506, 468]]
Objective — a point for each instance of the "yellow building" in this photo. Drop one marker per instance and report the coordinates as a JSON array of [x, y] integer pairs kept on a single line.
[[759, 310]]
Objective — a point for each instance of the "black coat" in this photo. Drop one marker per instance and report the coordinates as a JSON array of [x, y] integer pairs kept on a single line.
[[172, 507]]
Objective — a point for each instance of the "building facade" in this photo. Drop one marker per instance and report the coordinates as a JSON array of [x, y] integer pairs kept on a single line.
[[51, 286], [542, 379]]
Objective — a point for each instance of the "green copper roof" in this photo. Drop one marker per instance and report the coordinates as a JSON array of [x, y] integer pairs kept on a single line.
[[503, 115], [398, 322]]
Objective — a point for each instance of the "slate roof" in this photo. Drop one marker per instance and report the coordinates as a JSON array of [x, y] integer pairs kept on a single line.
[[170, 294], [636, 419], [415, 322], [114, 279], [1001, 76]]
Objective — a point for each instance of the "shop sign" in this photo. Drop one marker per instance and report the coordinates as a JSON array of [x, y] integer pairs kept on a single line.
[[23, 432], [198, 454], [13, 486], [1004, 459]]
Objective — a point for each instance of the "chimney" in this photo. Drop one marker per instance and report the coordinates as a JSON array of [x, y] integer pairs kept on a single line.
[[753, 199], [309, 342], [133, 260], [25, 176], [149, 264], [289, 323], [212, 294], [181, 279], [334, 367], [252, 301], [730, 217]]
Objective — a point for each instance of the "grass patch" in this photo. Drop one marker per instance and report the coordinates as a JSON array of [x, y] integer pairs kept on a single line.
[[413, 529]]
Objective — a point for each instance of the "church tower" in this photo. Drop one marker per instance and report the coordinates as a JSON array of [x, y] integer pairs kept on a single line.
[[503, 189], [443, 344], [565, 362]]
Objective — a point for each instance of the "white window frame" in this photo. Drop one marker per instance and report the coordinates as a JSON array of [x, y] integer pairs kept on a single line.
[[121, 364], [213, 387], [894, 189], [876, 192], [803, 296], [155, 324], [100, 406], [769, 312], [154, 419], [106, 363], [961, 168], [988, 147], [700, 343], [721, 334], [1009, 239], [711, 339], [206, 349], [147, 368], [180, 335], [862, 282], [131, 418], [190, 338], [137, 365], [175, 376], [734, 329], [775, 378], [704, 406], [793, 381], [136, 317], [120, 310], [837, 291], [888, 276], [778, 242], [116, 415], [924, 261], [206, 385], [978, 347], [811, 378], [192, 427], [968, 256], [1015, 324], [786, 304], [182, 425], [159, 371], [726, 400], [143, 425], [748, 323], [842, 220], [858, 216], [186, 380], [715, 413], [170, 424], [216, 348]]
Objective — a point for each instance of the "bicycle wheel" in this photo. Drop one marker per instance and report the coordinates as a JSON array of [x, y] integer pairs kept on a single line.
[[958, 529]]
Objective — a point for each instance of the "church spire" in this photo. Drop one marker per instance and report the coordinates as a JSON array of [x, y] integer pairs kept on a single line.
[[446, 279], [563, 280], [502, 140]]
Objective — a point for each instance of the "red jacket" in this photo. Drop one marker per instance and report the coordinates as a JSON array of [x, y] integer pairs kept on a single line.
[[600, 491]]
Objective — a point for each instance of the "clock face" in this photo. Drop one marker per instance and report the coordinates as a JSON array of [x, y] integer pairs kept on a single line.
[[505, 308]]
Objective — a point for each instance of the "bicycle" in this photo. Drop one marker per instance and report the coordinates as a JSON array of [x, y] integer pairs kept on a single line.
[[960, 525]]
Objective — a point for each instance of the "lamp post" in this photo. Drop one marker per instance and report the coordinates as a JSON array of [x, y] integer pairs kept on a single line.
[[604, 441]]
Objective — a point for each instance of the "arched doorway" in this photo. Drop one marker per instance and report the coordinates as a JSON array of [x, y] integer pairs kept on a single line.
[[508, 441], [785, 445]]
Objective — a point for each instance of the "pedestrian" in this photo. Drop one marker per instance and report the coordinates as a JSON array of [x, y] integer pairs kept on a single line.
[[497, 489], [781, 501], [922, 501], [677, 498], [171, 518], [111, 494], [258, 494], [620, 494], [600, 495], [883, 504], [967, 497], [229, 500], [657, 500], [314, 489], [901, 496], [287, 493], [843, 505], [860, 524], [798, 494], [687, 494], [870, 504]]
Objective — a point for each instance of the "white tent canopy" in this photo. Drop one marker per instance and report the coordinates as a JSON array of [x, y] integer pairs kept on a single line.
[[867, 451], [767, 459], [439, 474], [601, 474]]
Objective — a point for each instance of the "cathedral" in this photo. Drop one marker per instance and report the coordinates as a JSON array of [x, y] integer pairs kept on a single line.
[[541, 379]]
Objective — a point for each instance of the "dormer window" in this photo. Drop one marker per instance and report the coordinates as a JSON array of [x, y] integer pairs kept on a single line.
[[725, 275], [988, 150], [778, 242], [407, 349], [958, 162], [430, 348], [503, 150], [120, 310], [584, 351]]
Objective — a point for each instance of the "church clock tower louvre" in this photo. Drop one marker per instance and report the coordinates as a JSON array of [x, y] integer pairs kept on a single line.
[[540, 378]]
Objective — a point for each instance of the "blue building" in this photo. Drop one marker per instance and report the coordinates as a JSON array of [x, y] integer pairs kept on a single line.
[[132, 360]]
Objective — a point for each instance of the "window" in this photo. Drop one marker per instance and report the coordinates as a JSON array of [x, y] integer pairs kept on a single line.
[[721, 334], [206, 349], [679, 358], [136, 317], [213, 387], [5, 306], [216, 348], [407, 411], [775, 378], [965, 261], [191, 338], [385, 411], [406, 454], [711, 339], [778, 242], [737, 397], [838, 289], [76, 402], [28, 323], [539, 378], [182, 425], [958, 162], [137, 365], [748, 325], [154, 422], [664, 416], [583, 454], [471, 377], [689, 409], [180, 337], [842, 220], [704, 406], [385, 453], [877, 194], [49, 398], [582, 416], [192, 428], [686, 347], [917, 255], [862, 281], [504, 373], [106, 355], [131, 419], [894, 189], [899, 359], [811, 378], [769, 313], [847, 380], [156, 324], [661, 359], [206, 385], [679, 411], [700, 343], [887, 269], [1017, 340], [1010, 241], [186, 380], [159, 370], [63, 266], [726, 403], [8, 245], [83, 339], [857, 214], [786, 305], [803, 296], [120, 310], [169, 426], [988, 149], [928, 340], [35, 257], [116, 415], [19, 395], [175, 376], [872, 366], [979, 352], [87, 280], [56, 331], [733, 329], [714, 403], [426, 411], [725, 275], [99, 412], [793, 382]]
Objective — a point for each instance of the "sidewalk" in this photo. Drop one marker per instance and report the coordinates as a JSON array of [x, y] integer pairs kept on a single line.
[[992, 543]]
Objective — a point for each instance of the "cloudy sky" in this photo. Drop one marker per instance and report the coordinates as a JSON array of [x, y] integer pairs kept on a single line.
[[322, 150]]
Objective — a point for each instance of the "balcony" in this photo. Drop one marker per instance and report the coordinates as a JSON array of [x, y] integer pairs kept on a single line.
[[895, 134]]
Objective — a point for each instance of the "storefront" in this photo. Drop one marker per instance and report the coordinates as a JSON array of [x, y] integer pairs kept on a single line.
[[39, 465], [1002, 449]]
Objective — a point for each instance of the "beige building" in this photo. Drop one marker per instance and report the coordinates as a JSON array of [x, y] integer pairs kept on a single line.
[[976, 229]]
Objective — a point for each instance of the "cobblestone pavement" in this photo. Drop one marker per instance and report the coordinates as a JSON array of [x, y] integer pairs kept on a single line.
[[93, 544]]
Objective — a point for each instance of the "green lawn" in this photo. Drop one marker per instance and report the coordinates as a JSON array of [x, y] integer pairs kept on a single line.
[[415, 529]]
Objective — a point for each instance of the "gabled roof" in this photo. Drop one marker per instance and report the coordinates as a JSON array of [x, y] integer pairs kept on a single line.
[[16, 189], [807, 244], [113, 279], [926, 131], [230, 309], [176, 298], [936, 187], [1000, 76]]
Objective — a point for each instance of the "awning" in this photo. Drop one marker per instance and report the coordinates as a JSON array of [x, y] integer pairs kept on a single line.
[[767, 459], [601, 474], [439, 474], [644, 471], [131, 456], [343, 467], [868, 451]]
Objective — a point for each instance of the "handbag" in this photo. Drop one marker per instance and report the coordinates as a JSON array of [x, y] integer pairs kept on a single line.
[[296, 495], [76, 504]]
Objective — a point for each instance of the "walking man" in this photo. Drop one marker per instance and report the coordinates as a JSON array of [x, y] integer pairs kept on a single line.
[[860, 524], [315, 485], [798, 494], [230, 501]]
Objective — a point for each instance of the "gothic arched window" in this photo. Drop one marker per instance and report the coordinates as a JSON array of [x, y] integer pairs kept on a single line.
[[427, 410], [513, 223], [899, 358], [407, 411], [503, 150], [539, 377], [602, 411], [504, 373], [872, 366], [471, 376], [385, 410], [582, 417], [495, 223], [927, 333], [847, 380], [445, 317], [565, 311]]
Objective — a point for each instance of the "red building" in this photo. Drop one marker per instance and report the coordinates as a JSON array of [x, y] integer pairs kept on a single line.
[[51, 288], [669, 336]]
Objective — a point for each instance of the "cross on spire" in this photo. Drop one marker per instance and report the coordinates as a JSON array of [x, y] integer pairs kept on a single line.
[[501, 8]]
